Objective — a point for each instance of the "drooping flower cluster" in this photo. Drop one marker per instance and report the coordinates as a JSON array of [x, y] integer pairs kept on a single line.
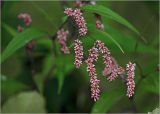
[[78, 48], [111, 66], [62, 37], [106, 54], [26, 18], [93, 55], [79, 19], [130, 67]]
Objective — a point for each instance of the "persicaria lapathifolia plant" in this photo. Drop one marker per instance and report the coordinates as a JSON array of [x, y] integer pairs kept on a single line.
[[111, 70]]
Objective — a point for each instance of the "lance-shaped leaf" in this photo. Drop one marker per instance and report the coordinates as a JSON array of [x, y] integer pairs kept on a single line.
[[19, 41], [104, 11]]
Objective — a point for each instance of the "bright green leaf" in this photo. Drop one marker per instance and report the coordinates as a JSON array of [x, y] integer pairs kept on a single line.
[[19, 41], [27, 102]]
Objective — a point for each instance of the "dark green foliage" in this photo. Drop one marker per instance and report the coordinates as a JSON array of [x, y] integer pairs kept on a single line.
[[56, 85]]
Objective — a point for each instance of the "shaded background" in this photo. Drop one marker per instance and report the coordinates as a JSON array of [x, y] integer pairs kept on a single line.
[[64, 88]]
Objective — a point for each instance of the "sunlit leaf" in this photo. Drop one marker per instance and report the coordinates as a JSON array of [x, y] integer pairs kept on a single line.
[[27, 102], [155, 111]]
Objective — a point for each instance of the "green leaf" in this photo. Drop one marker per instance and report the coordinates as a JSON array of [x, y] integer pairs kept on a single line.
[[128, 42], [46, 15], [40, 77], [19, 41], [104, 11], [107, 100], [64, 65], [150, 83], [12, 31], [27, 102]]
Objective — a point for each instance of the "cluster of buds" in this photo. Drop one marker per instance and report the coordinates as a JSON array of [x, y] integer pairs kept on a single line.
[[78, 48], [26, 18], [99, 23], [79, 19], [130, 67], [93, 55], [62, 37]]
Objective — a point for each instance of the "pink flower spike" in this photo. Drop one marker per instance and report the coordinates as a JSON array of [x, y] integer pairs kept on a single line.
[[130, 68], [93, 79], [78, 48], [93, 55], [94, 88], [26, 18], [79, 19], [61, 36]]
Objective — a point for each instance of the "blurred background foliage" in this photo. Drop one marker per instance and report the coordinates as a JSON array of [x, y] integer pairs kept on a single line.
[[57, 86]]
